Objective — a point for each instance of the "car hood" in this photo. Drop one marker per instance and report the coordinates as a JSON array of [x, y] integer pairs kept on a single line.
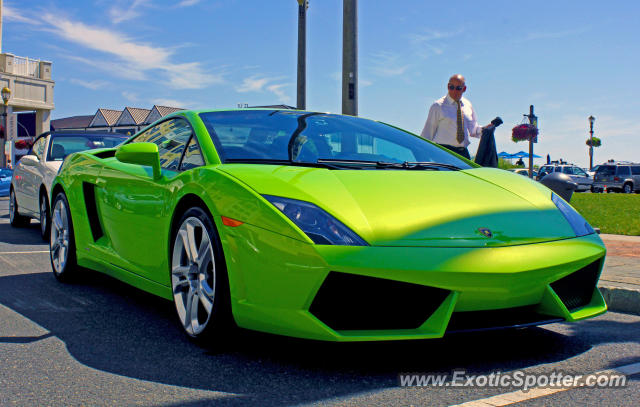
[[420, 208]]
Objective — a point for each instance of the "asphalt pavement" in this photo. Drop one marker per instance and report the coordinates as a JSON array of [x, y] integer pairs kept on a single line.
[[99, 342]]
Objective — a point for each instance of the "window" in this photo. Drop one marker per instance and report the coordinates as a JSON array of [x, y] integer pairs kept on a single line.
[[606, 170], [171, 137], [307, 137], [574, 171], [38, 147], [192, 157], [635, 170], [579, 171], [61, 145], [623, 170]]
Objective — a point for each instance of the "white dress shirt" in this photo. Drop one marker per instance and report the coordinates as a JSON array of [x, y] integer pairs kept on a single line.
[[441, 126]]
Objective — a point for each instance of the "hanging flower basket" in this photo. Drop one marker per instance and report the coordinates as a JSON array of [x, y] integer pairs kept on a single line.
[[523, 132], [23, 144], [596, 142]]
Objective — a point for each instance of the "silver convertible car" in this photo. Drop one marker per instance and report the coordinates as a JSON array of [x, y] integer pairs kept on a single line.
[[32, 178]]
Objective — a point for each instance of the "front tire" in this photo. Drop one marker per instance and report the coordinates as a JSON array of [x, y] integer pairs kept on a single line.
[[62, 245], [15, 219], [199, 278], [45, 222]]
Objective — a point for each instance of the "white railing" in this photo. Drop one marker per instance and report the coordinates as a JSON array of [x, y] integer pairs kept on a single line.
[[26, 67]]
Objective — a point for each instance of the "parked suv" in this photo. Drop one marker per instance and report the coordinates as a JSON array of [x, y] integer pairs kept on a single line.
[[577, 174], [619, 177]]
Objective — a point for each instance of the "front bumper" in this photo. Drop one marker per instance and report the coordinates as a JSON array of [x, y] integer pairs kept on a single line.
[[277, 283]]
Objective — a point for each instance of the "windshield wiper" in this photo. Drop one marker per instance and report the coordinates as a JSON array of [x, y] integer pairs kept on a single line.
[[419, 165], [407, 165], [279, 162]]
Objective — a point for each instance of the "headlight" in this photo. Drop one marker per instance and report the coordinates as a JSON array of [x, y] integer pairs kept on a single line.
[[321, 227], [580, 226]]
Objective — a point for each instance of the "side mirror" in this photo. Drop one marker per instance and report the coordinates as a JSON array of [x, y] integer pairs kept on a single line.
[[141, 154], [30, 160]]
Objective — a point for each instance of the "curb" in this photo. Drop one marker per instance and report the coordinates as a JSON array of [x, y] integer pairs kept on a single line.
[[621, 298]]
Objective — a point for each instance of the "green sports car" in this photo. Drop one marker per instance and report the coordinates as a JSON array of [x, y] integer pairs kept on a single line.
[[321, 226]]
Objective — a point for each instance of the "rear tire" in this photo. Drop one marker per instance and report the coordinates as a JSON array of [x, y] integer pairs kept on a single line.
[[45, 221], [199, 279], [627, 188], [15, 219], [62, 245]]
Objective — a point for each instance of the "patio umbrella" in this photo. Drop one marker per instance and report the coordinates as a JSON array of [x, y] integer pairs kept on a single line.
[[522, 154]]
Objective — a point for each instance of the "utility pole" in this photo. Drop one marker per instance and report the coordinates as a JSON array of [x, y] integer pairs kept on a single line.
[[350, 57], [533, 120], [591, 120], [302, 54]]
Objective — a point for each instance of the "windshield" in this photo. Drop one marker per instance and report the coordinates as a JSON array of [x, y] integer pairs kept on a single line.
[[62, 145], [305, 137]]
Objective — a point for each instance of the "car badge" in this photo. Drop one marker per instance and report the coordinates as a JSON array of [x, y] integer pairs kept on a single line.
[[486, 232]]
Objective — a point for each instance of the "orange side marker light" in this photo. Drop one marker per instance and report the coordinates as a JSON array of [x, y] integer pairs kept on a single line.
[[231, 222]]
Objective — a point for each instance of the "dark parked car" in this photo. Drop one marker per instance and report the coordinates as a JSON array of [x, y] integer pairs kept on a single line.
[[618, 177]]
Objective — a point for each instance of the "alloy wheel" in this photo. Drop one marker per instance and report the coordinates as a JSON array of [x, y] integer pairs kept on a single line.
[[12, 207], [43, 216], [193, 278], [59, 236]]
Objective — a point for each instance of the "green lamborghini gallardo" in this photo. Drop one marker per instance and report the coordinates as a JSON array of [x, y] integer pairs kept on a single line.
[[321, 226]]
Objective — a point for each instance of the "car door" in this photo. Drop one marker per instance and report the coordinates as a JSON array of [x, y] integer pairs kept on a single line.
[[623, 173], [29, 176], [605, 174], [635, 175], [135, 208]]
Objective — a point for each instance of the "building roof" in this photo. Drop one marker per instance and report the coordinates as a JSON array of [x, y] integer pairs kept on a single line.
[[73, 122], [111, 116], [138, 114], [165, 110]]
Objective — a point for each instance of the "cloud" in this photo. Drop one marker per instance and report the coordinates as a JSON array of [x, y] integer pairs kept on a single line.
[[431, 43], [93, 85], [119, 13], [11, 14], [387, 64], [187, 3], [253, 84], [130, 96], [277, 90], [259, 83], [172, 103], [553, 35], [132, 60]]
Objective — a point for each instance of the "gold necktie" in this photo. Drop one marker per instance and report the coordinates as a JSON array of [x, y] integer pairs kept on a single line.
[[460, 130]]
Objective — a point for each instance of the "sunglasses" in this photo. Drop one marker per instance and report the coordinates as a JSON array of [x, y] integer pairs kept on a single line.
[[452, 87]]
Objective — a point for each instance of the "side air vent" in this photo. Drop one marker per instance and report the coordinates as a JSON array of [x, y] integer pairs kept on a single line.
[[469, 321], [89, 191], [576, 289], [106, 154], [354, 302]]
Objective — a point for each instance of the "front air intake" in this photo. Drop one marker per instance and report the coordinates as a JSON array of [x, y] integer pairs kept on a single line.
[[576, 289], [353, 302]]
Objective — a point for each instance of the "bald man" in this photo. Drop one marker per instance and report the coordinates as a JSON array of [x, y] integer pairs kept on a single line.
[[452, 120]]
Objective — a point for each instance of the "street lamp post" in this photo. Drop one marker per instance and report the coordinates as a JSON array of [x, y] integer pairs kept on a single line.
[[301, 104], [591, 120], [6, 95]]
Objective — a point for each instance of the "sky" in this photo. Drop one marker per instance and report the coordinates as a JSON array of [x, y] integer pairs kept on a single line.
[[570, 59]]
